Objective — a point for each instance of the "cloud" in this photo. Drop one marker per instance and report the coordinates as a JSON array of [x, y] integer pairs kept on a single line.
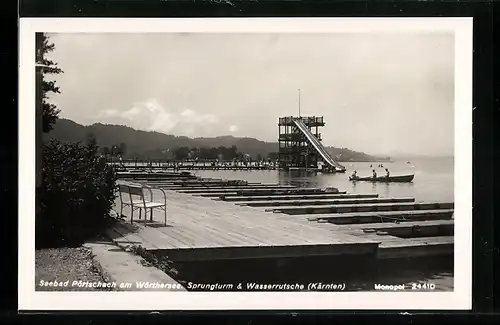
[[150, 115], [200, 84], [233, 128]]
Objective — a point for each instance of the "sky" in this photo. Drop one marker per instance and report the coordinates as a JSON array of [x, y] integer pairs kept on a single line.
[[379, 93]]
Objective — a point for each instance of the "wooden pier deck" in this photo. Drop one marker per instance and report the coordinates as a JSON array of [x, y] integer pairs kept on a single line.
[[200, 228], [346, 208], [263, 198], [228, 188], [367, 217], [333, 201], [256, 221]]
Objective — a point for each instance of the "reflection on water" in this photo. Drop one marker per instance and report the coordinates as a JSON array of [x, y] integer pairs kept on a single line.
[[358, 274], [433, 179]]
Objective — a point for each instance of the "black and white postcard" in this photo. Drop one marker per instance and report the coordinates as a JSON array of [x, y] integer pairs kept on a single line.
[[194, 164]]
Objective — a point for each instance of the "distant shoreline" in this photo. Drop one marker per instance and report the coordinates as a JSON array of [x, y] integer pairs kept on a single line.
[[420, 157], [399, 159]]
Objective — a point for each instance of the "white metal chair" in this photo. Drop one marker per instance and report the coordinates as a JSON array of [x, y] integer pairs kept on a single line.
[[123, 190], [137, 200]]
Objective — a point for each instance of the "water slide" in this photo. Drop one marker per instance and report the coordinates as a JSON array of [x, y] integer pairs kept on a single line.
[[318, 146]]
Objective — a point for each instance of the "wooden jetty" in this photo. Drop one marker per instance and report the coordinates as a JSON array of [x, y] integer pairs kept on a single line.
[[295, 197], [384, 216], [262, 221], [154, 176], [285, 191], [208, 189], [327, 201], [345, 208], [205, 229]]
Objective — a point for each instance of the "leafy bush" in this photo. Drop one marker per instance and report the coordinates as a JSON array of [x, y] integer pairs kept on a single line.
[[76, 196]]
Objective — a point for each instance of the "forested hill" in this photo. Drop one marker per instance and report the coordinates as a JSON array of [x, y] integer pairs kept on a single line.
[[155, 145]]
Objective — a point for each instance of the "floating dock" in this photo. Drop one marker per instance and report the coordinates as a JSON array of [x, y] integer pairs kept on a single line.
[[208, 221], [324, 201]]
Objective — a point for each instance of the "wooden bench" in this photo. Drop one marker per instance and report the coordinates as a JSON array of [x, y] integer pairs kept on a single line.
[[137, 200]]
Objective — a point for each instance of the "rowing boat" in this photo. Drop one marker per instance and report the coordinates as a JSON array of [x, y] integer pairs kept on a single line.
[[384, 179]]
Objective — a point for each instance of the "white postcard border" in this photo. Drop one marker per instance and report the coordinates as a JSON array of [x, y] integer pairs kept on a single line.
[[460, 298]]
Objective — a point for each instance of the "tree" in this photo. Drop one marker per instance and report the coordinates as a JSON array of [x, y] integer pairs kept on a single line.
[[181, 153], [213, 153], [77, 194], [240, 156], [273, 156], [114, 150], [50, 111], [233, 153], [91, 140], [123, 149], [194, 153]]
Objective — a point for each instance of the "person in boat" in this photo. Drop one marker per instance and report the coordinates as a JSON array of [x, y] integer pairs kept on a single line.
[[374, 175], [387, 174], [354, 175]]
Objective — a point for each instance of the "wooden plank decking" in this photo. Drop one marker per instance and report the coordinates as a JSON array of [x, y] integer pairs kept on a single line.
[[296, 197], [208, 189], [321, 209], [333, 201], [367, 217], [201, 228], [213, 222], [416, 247]]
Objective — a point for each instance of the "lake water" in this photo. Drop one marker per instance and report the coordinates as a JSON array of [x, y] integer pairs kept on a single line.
[[433, 182]]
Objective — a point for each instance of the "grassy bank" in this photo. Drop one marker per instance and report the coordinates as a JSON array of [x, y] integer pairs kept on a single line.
[[66, 264]]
